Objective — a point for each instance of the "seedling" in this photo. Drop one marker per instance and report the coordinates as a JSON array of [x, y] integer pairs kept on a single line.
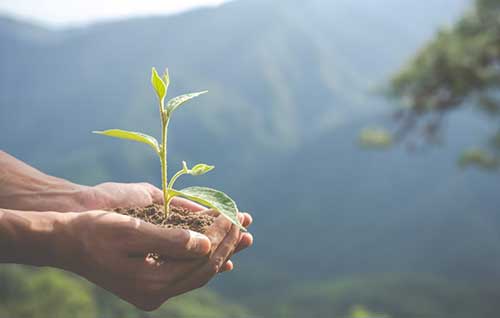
[[208, 197]]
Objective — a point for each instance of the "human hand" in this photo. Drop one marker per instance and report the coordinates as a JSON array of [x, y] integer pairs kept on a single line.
[[111, 250], [112, 195]]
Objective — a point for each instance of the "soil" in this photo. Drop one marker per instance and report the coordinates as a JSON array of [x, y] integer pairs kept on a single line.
[[178, 218]]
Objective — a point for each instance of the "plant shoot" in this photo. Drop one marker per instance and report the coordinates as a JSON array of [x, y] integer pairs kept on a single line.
[[208, 197]]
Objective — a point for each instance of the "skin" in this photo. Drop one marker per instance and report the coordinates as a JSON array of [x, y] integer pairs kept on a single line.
[[48, 221]]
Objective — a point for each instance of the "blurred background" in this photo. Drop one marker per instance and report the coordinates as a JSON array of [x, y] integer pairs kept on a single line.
[[363, 136]]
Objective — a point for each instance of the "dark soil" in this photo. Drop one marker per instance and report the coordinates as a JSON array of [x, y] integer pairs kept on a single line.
[[178, 217]]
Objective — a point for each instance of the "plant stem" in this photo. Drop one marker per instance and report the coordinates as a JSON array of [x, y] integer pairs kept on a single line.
[[164, 166], [174, 178]]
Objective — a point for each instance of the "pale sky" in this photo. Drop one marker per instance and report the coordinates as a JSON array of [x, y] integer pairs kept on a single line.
[[77, 12]]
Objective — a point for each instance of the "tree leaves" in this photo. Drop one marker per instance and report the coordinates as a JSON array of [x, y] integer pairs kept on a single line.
[[376, 138], [131, 135], [175, 102], [213, 199]]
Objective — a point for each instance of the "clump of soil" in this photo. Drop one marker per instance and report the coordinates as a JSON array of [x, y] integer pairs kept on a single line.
[[178, 218]]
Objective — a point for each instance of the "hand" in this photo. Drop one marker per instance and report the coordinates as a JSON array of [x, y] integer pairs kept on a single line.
[[111, 195], [110, 250]]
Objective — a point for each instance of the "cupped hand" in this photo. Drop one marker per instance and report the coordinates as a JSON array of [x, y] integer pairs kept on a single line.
[[112, 195], [112, 251]]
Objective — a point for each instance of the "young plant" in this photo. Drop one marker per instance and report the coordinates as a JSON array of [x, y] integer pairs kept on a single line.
[[208, 197]]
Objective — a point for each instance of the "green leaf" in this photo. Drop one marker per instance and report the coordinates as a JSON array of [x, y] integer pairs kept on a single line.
[[166, 80], [200, 169], [175, 102], [131, 135], [213, 199], [159, 86]]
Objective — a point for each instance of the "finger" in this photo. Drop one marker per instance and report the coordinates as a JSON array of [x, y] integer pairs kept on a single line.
[[247, 219], [202, 275], [246, 241], [241, 218], [221, 254], [170, 243], [218, 231], [186, 204], [227, 267]]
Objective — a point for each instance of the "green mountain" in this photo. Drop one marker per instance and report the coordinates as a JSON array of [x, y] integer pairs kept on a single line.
[[291, 84]]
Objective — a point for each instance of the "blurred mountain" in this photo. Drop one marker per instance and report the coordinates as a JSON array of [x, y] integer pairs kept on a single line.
[[279, 72], [291, 83]]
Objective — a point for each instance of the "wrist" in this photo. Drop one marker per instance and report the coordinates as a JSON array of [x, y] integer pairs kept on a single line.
[[56, 195], [31, 238], [64, 245]]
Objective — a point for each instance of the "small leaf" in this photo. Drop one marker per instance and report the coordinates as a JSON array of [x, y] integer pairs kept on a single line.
[[158, 85], [175, 102], [213, 199], [166, 80], [200, 169], [131, 135]]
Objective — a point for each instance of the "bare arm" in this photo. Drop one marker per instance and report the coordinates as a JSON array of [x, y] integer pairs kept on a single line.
[[23, 187]]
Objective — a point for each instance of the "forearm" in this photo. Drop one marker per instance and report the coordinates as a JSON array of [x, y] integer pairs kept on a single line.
[[23, 187], [33, 238]]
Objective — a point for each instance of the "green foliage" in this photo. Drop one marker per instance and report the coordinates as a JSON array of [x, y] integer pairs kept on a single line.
[[206, 196], [389, 295], [359, 311], [478, 157], [458, 67], [200, 304], [460, 62], [49, 293], [377, 138], [44, 293]]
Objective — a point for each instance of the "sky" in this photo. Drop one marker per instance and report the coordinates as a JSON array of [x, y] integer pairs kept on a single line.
[[60, 13]]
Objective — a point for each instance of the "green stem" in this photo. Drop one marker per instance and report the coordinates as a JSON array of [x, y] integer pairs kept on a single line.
[[174, 178], [164, 166], [171, 186]]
